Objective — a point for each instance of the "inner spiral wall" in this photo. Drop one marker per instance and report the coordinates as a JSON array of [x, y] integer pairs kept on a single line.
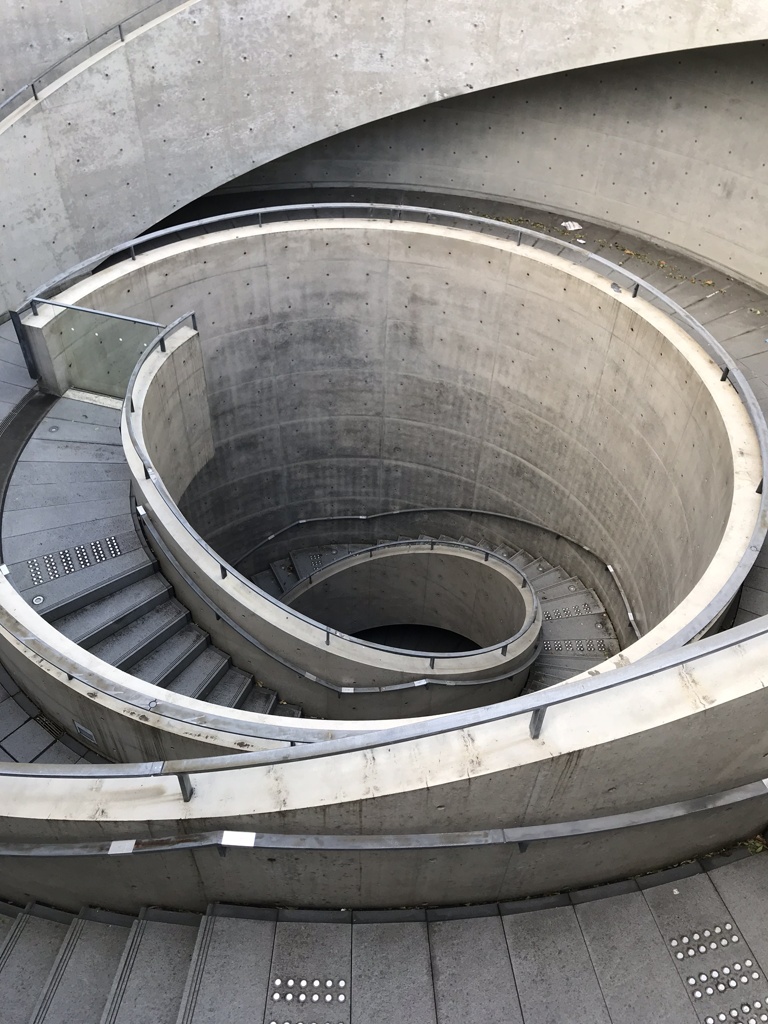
[[359, 371]]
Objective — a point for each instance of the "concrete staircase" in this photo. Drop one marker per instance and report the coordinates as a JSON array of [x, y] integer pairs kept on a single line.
[[75, 552], [683, 946], [576, 633]]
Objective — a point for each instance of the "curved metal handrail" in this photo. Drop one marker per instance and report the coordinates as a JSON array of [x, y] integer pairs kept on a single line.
[[226, 569], [110, 37], [533, 705], [431, 509]]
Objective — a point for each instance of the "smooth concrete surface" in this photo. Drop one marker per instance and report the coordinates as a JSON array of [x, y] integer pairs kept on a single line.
[[369, 872], [36, 37], [355, 397], [663, 146], [425, 587], [263, 83]]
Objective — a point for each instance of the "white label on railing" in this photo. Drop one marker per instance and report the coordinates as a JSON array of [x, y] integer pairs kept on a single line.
[[238, 838], [122, 846]]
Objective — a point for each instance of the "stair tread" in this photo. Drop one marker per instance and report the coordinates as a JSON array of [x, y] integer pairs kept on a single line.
[[69, 593], [583, 602], [232, 689], [522, 558], [149, 983], [82, 973], [26, 959], [572, 586], [131, 643], [199, 678], [173, 655], [287, 710], [591, 626], [267, 582], [105, 616], [260, 700], [285, 573]]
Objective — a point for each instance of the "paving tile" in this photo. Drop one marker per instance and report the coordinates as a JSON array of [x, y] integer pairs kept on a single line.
[[472, 972], [568, 991], [28, 741], [637, 975]]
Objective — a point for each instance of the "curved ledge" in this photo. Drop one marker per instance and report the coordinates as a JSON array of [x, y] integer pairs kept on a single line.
[[397, 870]]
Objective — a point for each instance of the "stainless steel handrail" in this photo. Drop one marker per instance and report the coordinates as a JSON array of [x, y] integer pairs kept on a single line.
[[91, 47], [533, 705], [226, 569]]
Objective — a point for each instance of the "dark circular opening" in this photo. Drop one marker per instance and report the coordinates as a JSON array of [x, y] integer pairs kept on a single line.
[[410, 636]]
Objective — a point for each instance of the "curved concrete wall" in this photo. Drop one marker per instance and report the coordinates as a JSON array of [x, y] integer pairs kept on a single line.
[[332, 353], [37, 35], [221, 87], [427, 588], [665, 147]]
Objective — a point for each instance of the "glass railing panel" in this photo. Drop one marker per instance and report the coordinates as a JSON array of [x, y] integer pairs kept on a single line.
[[95, 351]]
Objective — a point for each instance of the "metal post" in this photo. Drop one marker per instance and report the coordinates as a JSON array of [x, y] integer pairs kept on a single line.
[[185, 786], [536, 722]]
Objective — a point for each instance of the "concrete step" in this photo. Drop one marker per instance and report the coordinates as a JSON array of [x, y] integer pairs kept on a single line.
[[593, 626], [521, 559], [285, 573], [198, 679], [287, 710], [70, 593], [138, 639], [570, 587], [260, 700], [267, 582], [582, 602], [26, 959], [542, 677], [105, 616], [172, 657], [232, 689], [307, 562], [232, 956], [149, 982], [541, 578], [82, 973]]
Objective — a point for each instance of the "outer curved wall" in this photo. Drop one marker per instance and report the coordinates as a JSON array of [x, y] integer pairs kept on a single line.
[[208, 94], [331, 355], [667, 147], [38, 34]]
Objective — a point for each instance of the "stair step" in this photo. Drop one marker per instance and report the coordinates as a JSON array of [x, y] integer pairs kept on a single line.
[[577, 627], [260, 700], [285, 573], [232, 689], [310, 561], [171, 657], [584, 602], [134, 641], [149, 981], [267, 582], [571, 587], [287, 710], [540, 581], [542, 679], [231, 963], [199, 678], [563, 658], [97, 581], [521, 559], [82, 973], [26, 959], [98, 620]]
